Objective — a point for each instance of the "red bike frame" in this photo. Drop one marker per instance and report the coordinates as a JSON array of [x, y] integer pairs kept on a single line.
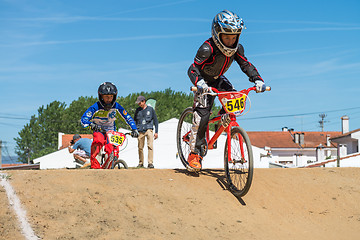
[[117, 141], [233, 122]]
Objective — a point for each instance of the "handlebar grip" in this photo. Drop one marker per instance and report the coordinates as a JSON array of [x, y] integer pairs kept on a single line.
[[193, 89], [268, 88]]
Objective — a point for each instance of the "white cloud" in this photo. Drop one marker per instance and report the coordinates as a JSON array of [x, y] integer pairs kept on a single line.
[[56, 42]]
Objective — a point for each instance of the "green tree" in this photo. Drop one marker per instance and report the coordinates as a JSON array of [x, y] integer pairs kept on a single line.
[[169, 104], [72, 115], [39, 136]]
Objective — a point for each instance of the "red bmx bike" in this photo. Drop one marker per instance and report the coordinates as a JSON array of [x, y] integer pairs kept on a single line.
[[119, 142], [238, 155]]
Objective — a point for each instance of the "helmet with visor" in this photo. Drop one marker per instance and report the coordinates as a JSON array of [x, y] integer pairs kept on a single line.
[[226, 22], [107, 88]]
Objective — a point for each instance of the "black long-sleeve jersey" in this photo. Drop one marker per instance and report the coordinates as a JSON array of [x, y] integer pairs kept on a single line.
[[210, 63]]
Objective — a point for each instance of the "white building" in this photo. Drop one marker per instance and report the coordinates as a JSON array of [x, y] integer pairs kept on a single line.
[[348, 154], [295, 149]]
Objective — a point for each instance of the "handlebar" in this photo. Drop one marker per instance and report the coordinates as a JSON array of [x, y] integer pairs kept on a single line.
[[215, 92], [103, 131]]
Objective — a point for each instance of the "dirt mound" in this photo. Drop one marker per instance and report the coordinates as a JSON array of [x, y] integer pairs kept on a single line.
[[317, 203]]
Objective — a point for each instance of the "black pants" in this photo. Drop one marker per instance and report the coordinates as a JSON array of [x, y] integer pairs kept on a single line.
[[222, 84]]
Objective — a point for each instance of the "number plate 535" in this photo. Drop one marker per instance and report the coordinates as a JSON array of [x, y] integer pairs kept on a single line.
[[117, 140]]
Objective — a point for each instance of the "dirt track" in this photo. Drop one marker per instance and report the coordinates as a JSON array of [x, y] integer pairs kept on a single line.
[[307, 204]]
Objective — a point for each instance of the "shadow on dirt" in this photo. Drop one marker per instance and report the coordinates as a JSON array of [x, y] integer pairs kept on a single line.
[[219, 176]]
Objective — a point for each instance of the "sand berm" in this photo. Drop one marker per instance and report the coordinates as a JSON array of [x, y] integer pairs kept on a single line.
[[319, 203]]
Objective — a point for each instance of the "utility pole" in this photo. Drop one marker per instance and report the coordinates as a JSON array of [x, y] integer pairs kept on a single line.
[[0, 154], [321, 122], [27, 150]]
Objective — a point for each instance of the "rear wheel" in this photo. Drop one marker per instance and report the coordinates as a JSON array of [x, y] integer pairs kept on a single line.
[[183, 135], [239, 166], [120, 164]]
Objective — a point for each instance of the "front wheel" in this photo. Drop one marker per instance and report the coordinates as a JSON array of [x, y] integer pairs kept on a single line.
[[239, 166], [119, 164], [183, 135]]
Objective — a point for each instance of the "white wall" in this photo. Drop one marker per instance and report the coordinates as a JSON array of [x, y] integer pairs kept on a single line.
[[59, 159], [348, 162], [165, 151]]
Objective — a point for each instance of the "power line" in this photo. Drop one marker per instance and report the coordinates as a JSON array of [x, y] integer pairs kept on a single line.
[[11, 125], [15, 118], [299, 114], [6, 150]]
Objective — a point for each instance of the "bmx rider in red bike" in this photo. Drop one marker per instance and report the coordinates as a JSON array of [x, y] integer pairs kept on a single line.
[[101, 117], [212, 60]]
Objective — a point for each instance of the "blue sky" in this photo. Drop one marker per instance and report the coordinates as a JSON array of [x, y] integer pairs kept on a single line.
[[307, 51]]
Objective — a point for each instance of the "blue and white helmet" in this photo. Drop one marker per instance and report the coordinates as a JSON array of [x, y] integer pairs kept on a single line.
[[226, 22]]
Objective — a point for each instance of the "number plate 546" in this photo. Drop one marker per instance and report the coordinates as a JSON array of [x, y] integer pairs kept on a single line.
[[236, 105]]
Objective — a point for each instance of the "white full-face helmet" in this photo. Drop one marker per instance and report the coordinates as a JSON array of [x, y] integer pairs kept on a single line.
[[226, 22]]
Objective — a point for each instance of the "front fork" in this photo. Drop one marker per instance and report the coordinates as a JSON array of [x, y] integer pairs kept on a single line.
[[232, 124]]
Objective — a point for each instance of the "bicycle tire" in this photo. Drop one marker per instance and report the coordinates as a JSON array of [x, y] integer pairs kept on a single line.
[[182, 135], [239, 171], [119, 164]]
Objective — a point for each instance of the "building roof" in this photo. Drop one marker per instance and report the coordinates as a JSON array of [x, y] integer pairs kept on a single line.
[[282, 139], [345, 134]]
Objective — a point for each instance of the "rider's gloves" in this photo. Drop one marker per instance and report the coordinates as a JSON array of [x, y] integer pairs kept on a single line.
[[260, 86], [95, 127], [202, 86], [134, 133]]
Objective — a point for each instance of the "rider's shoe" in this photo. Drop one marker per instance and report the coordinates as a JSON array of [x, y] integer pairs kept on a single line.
[[151, 165], [140, 166], [194, 161], [86, 165]]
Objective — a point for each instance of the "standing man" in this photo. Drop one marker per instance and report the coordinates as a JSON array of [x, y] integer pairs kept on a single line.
[[145, 118]]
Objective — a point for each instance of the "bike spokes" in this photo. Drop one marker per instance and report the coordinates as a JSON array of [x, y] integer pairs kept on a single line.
[[185, 143], [183, 135], [239, 162]]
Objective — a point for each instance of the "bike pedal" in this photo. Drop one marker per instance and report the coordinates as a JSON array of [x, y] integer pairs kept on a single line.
[[190, 169], [193, 170]]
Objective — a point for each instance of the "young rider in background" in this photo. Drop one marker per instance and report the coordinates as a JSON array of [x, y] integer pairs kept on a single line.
[[212, 60], [101, 117]]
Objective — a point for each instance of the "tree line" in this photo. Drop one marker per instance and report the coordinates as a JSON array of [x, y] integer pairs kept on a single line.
[[40, 136]]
